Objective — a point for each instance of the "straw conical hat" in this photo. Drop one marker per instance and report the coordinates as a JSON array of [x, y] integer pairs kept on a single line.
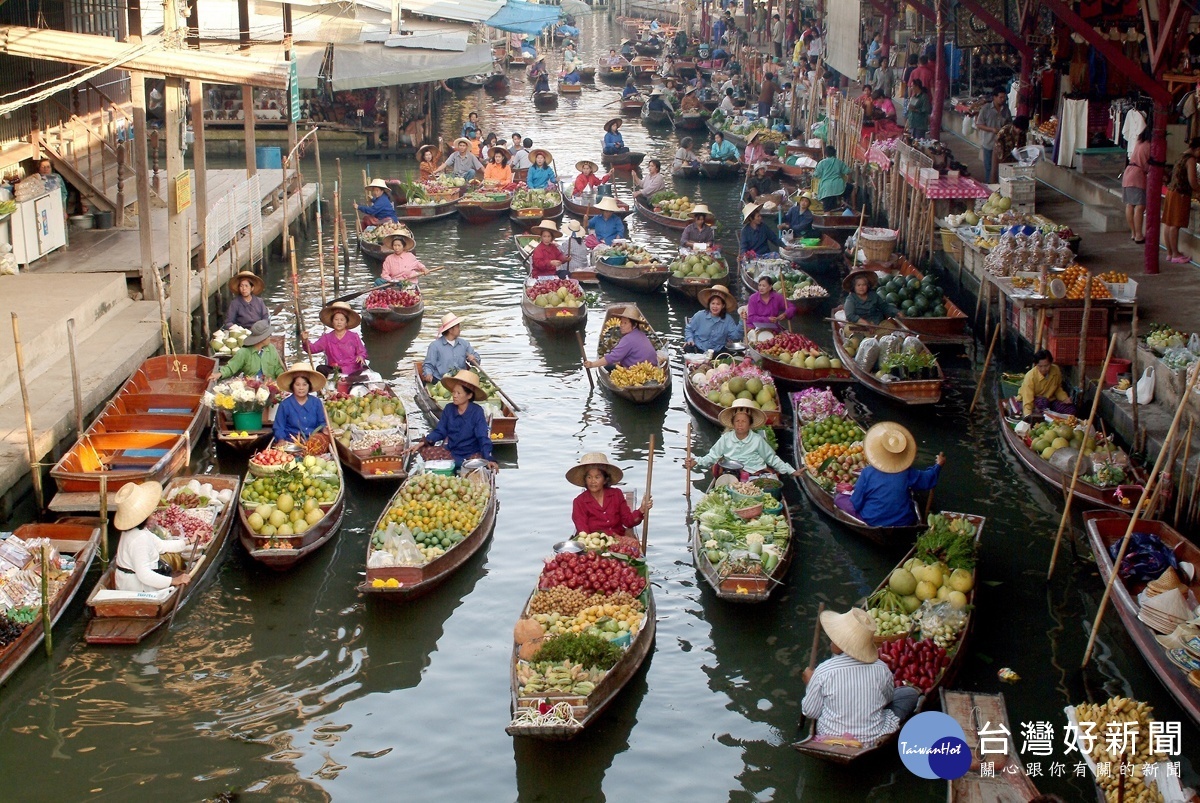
[[469, 380], [757, 416], [135, 503], [577, 474], [256, 283], [853, 632], [316, 380], [889, 447]]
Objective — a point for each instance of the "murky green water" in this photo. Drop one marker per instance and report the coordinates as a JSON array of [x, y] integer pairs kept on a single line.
[[294, 686]]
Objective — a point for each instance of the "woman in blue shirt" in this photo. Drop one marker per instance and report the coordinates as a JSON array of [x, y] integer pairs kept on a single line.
[[713, 328], [463, 425], [614, 143], [541, 173], [882, 495], [607, 226], [722, 151], [381, 209], [300, 414], [757, 236]]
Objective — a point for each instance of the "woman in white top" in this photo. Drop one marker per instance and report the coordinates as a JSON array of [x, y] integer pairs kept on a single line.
[[139, 550]]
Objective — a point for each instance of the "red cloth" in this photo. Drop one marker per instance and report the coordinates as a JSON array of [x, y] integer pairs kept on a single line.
[[614, 518], [585, 180], [542, 256]]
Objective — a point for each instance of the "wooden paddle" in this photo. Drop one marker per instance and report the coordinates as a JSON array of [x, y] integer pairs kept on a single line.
[[983, 372], [816, 642], [583, 353], [687, 472], [649, 478]]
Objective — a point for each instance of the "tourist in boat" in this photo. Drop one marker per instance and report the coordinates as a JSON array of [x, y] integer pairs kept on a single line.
[[831, 175], [587, 177], [449, 352], [601, 508], [246, 308], [381, 209], [463, 425], [767, 308], [520, 156], [634, 346], [428, 157], [300, 414], [757, 238], [652, 183], [575, 248], [722, 150], [1042, 389], [741, 444], [546, 259], [716, 326], [863, 304], [699, 230], [139, 552], [614, 143], [882, 496], [461, 163], [343, 349], [485, 150], [685, 156], [799, 219], [615, 59], [541, 173], [497, 170], [570, 58], [853, 694], [401, 265], [761, 187], [257, 356], [607, 226], [472, 124]]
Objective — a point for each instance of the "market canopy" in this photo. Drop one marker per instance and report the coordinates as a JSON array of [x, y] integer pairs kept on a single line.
[[461, 10], [366, 66], [521, 17]]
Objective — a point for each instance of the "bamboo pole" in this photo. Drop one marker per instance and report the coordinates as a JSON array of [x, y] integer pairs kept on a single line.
[[687, 472], [30, 441], [1133, 372], [296, 302], [983, 374], [1172, 449], [76, 385], [1133, 520], [47, 622], [583, 354], [104, 519], [337, 236], [649, 479], [816, 642], [285, 239], [1081, 361], [1187, 453], [1066, 514], [320, 246], [1191, 511], [205, 327]]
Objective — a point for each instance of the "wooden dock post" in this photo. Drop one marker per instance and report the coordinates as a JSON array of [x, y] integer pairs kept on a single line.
[[30, 442]]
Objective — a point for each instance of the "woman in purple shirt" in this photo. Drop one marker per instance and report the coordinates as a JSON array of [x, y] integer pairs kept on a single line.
[[246, 308], [635, 346], [343, 349], [766, 309]]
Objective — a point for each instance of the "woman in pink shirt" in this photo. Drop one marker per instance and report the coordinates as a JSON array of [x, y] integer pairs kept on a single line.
[[1133, 187], [754, 152], [401, 265], [343, 349]]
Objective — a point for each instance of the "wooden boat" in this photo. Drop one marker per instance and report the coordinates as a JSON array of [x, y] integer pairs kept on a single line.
[[228, 436], [372, 251], [906, 391], [281, 557], [78, 539], [646, 49], [589, 209], [973, 711], [744, 588], [483, 211], [526, 221], [657, 116], [622, 161], [721, 170], [685, 68], [545, 100], [807, 254], [792, 375], [503, 411], [130, 618], [569, 89], [1086, 494], [837, 226], [587, 73], [415, 214], [691, 121], [710, 409], [1105, 529], [640, 394], [525, 244], [612, 75], [389, 319], [417, 580], [954, 323], [632, 104], [738, 140], [381, 468], [646, 209], [638, 278], [146, 432], [557, 319], [692, 285], [848, 754], [802, 305]]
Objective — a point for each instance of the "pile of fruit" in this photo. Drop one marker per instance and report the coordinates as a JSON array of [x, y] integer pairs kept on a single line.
[[445, 181], [635, 255], [915, 298], [636, 375], [833, 429], [836, 463], [479, 197], [555, 293], [1122, 715], [1048, 127], [269, 461], [226, 341], [536, 199], [724, 381], [379, 409], [377, 234], [914, 663], [408, 295], [1114, 277], [996, 204], [888, 611], [438, 512], [699, 266], [733, 544], [1162, 337], [943, 567], [182, 521], [592, 573], [610, 618], [1076, 279], [815, 404], [672, 205], [290, 501], [797, 351], [1048, 437]]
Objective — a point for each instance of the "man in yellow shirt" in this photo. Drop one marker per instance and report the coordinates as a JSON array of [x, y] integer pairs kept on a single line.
[[1042, 387]]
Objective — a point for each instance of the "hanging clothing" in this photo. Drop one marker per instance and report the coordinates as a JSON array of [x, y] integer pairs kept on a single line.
[[1135, 124], [1072, 130]]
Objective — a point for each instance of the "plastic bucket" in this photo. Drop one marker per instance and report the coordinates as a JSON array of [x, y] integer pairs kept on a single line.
[[248, 420], [268, 158], [1116, 367], [104, 220]]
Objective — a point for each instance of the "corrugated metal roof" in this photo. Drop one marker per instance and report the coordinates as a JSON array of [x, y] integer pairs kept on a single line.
[[462, 10], [373, 65]]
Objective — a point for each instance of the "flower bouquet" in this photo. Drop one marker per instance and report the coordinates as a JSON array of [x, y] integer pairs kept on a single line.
[[244, 399]]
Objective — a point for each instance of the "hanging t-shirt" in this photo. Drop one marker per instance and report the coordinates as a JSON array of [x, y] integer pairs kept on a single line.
[[1135, 124]]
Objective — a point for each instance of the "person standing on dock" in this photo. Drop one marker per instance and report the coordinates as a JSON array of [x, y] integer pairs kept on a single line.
[[991, 118], [246, 308]]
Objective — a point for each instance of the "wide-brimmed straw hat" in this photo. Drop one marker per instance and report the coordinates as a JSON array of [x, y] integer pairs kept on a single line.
[[377, 183], [721, 290], [135, 502], [256, 283], [463, 140], [656, 93], [316, 380], [757, 416], [760, 166], [631, 312], [577, 474], [889, 447], [854, 275], [544, 226], [579, 165], [353, 319], [495, 149], [689, 90], [753, 136], [701, 209], [533, 155], [421, 151], [405, 234], [574, 226], [448, 322], [614, 121], [469, 380], [609, 204], [259, 331], [748, 210], [853, 632]]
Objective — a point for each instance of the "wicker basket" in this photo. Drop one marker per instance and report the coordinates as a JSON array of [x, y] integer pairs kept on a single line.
[[877, 245]]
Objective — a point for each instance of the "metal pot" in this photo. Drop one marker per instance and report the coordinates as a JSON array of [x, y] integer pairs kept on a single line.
[[473, 465], [730, 466], [573, 547]]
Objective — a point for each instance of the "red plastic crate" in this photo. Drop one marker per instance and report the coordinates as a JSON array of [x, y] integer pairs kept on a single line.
[[1066, 349], [1069, 322]]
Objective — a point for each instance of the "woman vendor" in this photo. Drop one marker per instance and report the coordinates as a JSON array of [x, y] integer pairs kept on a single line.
[[652, 183], [882, 495], [864, 305], [742, 444], [300, 414], [257, 357], [246, 307], [541, 82], [138, 553], [547, 259], [831, 176], [1042, 389], [757, 237], [541, 172], [699, 230], [628, 91], [463, 425], [601, 508], [449, 352], [754, 152], [721, 150], [497, 170], [429, 157], [684, 155], [634, 346], [607, 226], [343, 349], [401, 265], [587, 177], [716, 326], [614, 143], [691, 101], [657, 103], [381, 209], [766, 309]]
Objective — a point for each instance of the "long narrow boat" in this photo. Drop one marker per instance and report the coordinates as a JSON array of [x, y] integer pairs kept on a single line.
[[738, 140], [416, 214], [691, 286], [793, 277], [120, 617], [612, 75], [146, 432], [646, 209], [569, 89], [389, 319], [379, 467], [657, 116], [826, 250], [1104, 529], [503, 416], [721, 169], [839, 753], [954, 323], [284, 552], [622, 161], [638, 278], [974, 711], [691, 120], [905, 391], [644, 68], [545, 100], [707, 408], [587, 73], [637, 394], [483, 211], [524, 219], [646, 49], [793, 375], [557, 319], [579, 209], [411, 582], [837, 226], [738, 586], [77, 540], [632, 104]]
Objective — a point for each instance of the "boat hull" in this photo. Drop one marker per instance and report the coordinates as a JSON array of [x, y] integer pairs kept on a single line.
[[503, 425], [390, 319]]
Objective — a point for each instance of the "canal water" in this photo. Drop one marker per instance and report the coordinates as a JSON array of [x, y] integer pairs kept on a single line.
[[293, 686]]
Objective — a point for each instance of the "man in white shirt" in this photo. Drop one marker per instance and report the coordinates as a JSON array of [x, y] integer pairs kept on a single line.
[[727, 106], [520, 157]]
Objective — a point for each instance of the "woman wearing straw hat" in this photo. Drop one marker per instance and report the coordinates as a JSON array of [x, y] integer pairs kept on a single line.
[[575, 249], [300, 414], [700, 229], [716, 326], [587, 177], [601, 508], [547, 259], [541, 173], [607, 226], [401, 265], [742, 444], [864, 305], [343, 349], [381, 209], [462, 163], [463, 425], [257, 357], [799, 219], [757, 238], [246, 308], [754, 152], [853, 693], [882, 495], [634, 346], [139, 567], [614, 143], [449, 352], [428, 157], [497, 170]]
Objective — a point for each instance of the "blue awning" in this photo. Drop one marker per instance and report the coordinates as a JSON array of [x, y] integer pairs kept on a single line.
[[520, 17]]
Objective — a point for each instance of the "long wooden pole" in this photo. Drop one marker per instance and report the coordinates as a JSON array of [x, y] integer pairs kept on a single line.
[[649, 479], [1133, 372], [337, 235], [1187, 453], [687, 472], [1137, 512], [104, 519], [583, 354], [983, 372], [296, 302], [816, 642], [76, 385], [321, 247], [30, 441], [1081, 360], [1066, 514], [47, 623]]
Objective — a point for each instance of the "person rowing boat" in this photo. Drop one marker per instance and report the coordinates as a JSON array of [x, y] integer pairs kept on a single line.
[[741, 444], [401, 264], [463, 424], [882, 495], [449, 352], [343, 349], [246, 308], [601, 508]]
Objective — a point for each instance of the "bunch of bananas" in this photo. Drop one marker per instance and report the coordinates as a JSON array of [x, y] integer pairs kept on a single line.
[[567, 677], [1122, 710], [642, 373]]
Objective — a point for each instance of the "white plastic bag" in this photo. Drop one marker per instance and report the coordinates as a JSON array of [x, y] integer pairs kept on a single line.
[[1144, 387], [1194, 343]]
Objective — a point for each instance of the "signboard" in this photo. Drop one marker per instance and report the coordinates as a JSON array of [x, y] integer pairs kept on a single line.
[[294, 89], [183, 191]]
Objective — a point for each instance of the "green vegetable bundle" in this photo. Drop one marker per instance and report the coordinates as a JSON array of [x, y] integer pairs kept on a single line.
[[581, 648], [950, 541]]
